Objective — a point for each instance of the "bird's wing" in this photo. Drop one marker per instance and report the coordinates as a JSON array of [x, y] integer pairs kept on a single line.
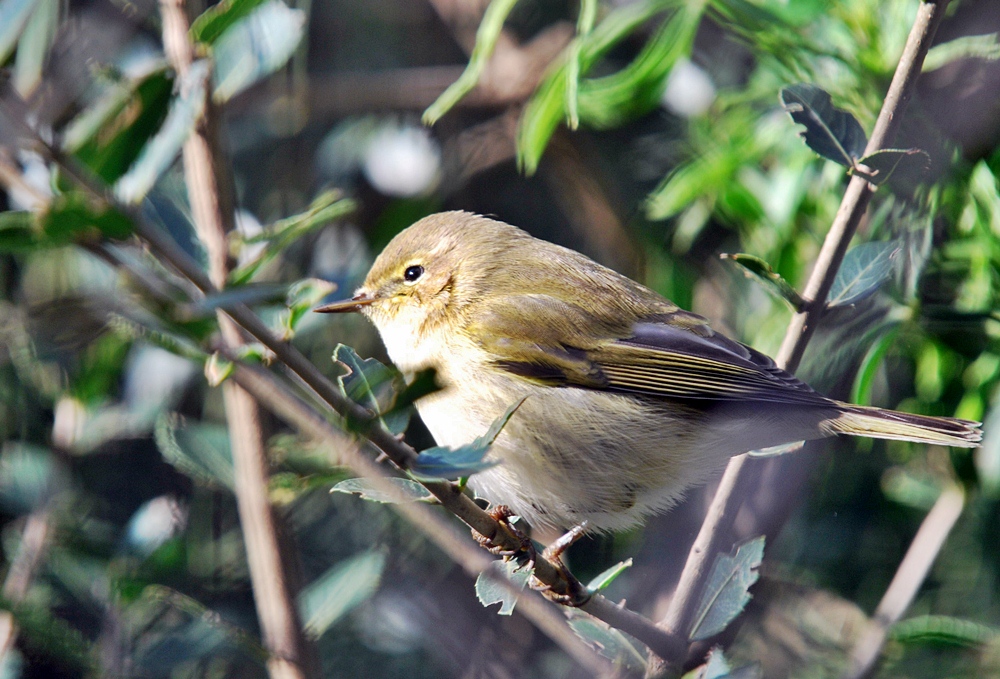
[[550, 341]]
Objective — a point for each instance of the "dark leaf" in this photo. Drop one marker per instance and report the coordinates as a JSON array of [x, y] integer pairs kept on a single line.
[[199, 450], [864, 269], [943, 630], [338, 591], [773, 282], [831, 132], [452, 463], [76, 216], [881, 165], [491, 590], [399, 490], [727, 589], [373, 386], [608, 641], [161, 151], [17, 231]]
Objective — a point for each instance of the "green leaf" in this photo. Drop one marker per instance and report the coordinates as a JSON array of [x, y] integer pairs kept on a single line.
[[864, 269], [373, 386], [34, 46], [755, 267], [486, 40], [199, 450], [547, 107], [637, 89], [442, 462], [161, 151], [400, 490], [217, 370], [327, 206], [255, 46], [987, 456], [943, 630], [214, 21], [77, 216], [584, 25], [880, 166], [14, 16], [608, 642], [985, 47], [17, 231], [491, 590], [609, 575], [717, 667], [831, 132], [861, 392], [302, 296], [339, 591], [726, 591], [690, 181], [109, 135]]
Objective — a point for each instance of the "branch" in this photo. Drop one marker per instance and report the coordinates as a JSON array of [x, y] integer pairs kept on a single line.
[[908, 578], [207, 178], [741, 473], [396, 450], [34, 539]]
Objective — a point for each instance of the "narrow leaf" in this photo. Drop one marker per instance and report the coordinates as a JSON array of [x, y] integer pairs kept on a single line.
[[881, 165], [985, 47], [609, 642], [486, 40], [34, 46], [327, 206], [160, 152], [255, 46], [609, 575], [14, 16], [399, 490], [755, 267], [490, 590], [584, 25], [775, 451], [726, 591], [864, 269], [338, 591], [831, 132], [216, 19], [943, 629], [77, 216], [547, 107], [302, 296], [17, 232]]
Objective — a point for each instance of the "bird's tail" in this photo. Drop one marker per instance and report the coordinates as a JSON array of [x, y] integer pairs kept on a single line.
[[890, 424]]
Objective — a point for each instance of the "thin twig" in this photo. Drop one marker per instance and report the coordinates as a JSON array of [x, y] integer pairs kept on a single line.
[[207, 179], [739, 477], [909, 577], [34, 538]]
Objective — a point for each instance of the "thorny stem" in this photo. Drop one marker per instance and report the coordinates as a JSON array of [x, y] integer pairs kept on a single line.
[[741, 473]]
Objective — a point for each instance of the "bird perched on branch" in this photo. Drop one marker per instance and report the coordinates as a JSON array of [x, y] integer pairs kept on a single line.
[[630, 399]]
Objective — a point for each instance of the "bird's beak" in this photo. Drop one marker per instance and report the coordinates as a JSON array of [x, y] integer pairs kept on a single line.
[[351, 305]]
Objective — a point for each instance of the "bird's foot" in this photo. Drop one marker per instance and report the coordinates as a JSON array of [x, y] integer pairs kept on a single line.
[[574, 594], [503, 515]]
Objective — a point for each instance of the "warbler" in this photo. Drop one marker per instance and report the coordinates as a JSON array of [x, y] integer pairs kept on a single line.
[[631, 400]]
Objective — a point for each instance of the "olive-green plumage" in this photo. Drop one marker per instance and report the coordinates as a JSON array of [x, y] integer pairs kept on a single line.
[[631, 400]]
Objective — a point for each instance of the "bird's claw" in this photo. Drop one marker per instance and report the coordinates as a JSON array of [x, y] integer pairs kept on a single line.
[[502, 515]]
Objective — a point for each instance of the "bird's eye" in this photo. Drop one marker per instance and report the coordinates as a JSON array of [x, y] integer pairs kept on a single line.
[[412, 273]]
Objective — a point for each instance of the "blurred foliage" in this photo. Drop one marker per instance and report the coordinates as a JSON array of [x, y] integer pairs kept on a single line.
[[111, 436]]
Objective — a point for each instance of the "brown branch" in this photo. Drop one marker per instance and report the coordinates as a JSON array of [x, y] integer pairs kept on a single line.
[[207, 179], [908, 578], [740, 475], [34, 539]]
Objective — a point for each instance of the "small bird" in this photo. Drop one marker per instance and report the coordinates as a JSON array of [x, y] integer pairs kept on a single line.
[[630, 400]]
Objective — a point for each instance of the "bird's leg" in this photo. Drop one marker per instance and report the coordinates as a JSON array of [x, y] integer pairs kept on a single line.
[[502, 514], [576, 593]]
